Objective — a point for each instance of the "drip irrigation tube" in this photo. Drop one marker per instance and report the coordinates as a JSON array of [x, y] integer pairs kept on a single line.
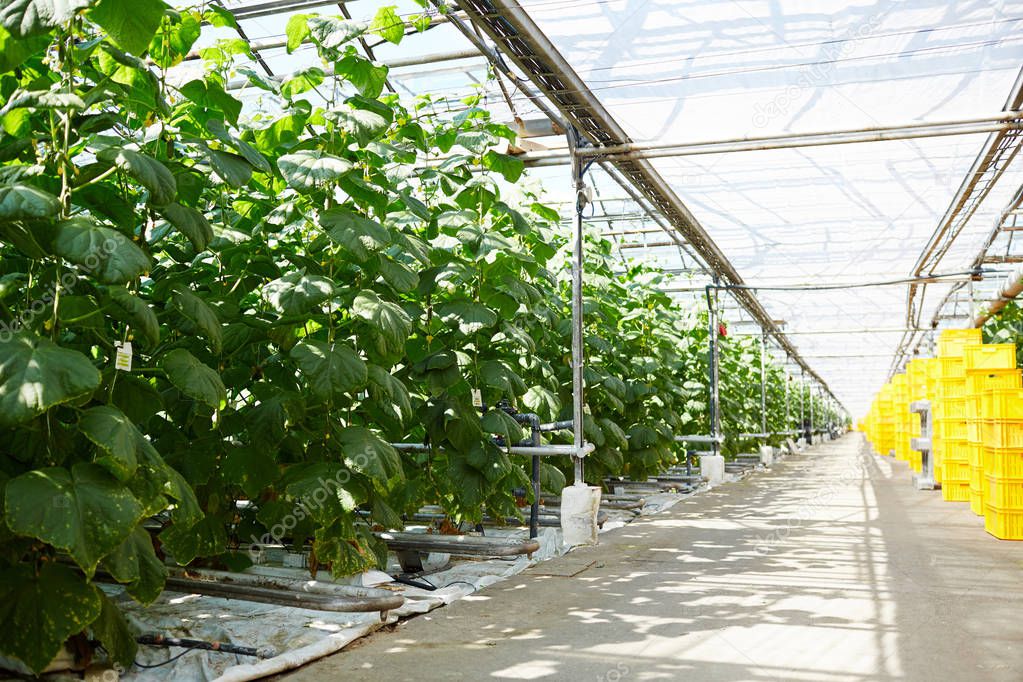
[[222, 647]]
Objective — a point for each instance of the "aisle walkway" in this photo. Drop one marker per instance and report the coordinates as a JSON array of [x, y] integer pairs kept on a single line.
[[830, 567]]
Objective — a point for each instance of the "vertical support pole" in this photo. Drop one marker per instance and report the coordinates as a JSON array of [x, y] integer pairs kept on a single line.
[[763, 382], [578, 359], [802, 395], [788, 379], [811, 411], [714, 408]]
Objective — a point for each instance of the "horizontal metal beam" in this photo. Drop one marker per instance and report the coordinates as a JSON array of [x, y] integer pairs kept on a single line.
[[1004, 121]]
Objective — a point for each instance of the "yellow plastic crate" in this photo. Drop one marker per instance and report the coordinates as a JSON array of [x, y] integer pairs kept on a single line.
[[955, 492], [1004, 493], [974, 430], [990, 356], [1003, 463], [978, 380], [951, 428], [951, 388], [976, 455], [952, 408], [976, 501], [952, 341], [1004, 524], [955, 450], [1002, 403], [952, 367], [1002, 433], [955, 472]]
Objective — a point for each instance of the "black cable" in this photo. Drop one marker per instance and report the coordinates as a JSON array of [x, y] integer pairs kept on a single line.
[[464, 582], [169, 660]]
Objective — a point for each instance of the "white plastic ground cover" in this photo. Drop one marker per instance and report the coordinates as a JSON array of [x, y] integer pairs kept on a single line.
[[301, 635]]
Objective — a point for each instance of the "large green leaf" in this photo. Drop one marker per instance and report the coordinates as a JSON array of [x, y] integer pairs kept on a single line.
[[367, 77], [40, 610], [130, 23], [331, 369], [152, 174], [208, 537], [297, 293], [135, 565], [200, 316], [112, 631], [36, 374], [190, 376], [542, 402], [137, 312], [296, 30], [401, 278], [232, 168], [359, 235], [306, 169], [324, 488], [503, 424], [302, 81], [24, 202], [85, 511], [15, 51], [368, 453], [24, 18], [330, 32], [363, 118], [388, 25], [101, 251], [111, 431], [467, 316], [389, 390], [190, 223], [390, 324], [508, 166]]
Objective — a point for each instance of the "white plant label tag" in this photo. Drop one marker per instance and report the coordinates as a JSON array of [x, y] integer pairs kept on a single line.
[[122, 360], [477, 398]]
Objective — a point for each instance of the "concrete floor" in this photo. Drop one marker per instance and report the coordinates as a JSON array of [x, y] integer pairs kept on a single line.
[[829, 567]]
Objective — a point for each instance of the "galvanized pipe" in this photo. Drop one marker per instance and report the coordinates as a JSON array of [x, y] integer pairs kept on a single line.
[[1003, 121], [578, 385], [527, 450], [763, 381], [712, 369]]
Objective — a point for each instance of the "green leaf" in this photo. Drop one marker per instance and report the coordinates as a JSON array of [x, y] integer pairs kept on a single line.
[[468, 317], [302, 81], [129, 23], [86, 511], [364, 192], [251, 470], [15, 51], [149, 172], [365, 119], [200, 317], [389, 322], [367, 77], [325, 489], [135, 564], [387, 389], [24, 202], [304, 170], [190, 223], [39, 611], [331, 33], [551, 478], [499, 374], [36, 374], [112, 631], [368, 453], [503, 424], [359, 235], [542, 402], [111, 431], [208, 537], [297, 30], [508, 166], [388, 25], [296, 293], [193, 378], [100, 251], [401, 278], [24, 18], [231, 168], [137, 312], [331, 369]]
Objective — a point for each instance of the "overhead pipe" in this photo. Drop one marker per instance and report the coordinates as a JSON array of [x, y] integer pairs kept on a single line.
[[1004, 121], [1010, 289], [527, 450]]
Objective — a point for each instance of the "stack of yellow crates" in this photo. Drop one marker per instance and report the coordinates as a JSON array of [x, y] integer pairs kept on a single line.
[[900, 382], [983, 362], [886, 421], [950, 414], [1002, 409]]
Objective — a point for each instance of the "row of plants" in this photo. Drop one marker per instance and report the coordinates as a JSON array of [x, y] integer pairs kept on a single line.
[[1006, 327], [207, 315]]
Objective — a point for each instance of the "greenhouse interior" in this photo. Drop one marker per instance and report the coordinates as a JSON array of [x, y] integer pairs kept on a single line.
[[497, 339]]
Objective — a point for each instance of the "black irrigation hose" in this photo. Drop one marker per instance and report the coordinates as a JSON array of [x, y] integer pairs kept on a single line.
[[193, 644]]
